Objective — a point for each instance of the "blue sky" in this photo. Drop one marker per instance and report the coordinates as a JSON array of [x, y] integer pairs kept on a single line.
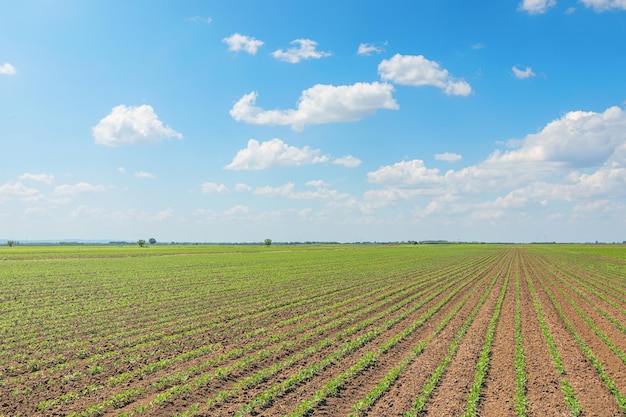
[[313, 121]]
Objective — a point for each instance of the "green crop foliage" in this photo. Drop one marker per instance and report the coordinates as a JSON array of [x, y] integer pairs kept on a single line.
[[521, 402], [483, 361], [112, 329], [566, 388], [434, 378]]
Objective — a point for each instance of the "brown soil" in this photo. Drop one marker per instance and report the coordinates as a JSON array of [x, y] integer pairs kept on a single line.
[[24, 389], [544, 394], [499, 391], [592, 394]]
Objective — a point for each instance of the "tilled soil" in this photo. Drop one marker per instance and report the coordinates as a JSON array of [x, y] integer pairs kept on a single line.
[[557, 286]]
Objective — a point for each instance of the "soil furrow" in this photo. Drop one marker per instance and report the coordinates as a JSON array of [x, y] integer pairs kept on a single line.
[[593, 396]]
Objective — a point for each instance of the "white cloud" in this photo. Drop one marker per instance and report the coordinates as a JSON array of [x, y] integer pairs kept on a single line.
[[369, 48], [405, 172], [17, 189], [320, 104], [241, 187], [448, 157], [542, 167], [201, 19], [45, 178], [523, 73], [284, 190], [211, 187], [145, 175], [594, 206], [288, 190], [274, 153], [431, 208], [239, 42], [578, 139], [536, 6], [316, 183], [164, 214], [305, 50], [121, 170], [418, 71], [78, 188], [478, 46], [131, 125], [7, 69], [236, 210], [348, 161], [604, 5]]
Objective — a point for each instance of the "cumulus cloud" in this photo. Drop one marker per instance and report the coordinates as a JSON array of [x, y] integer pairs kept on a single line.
[[448, 157], [239, 42], [45, 178], [316, 183], [320, 104], [348, 161], [304, 50], [274, 153], [578, 139], [280, 191], [17, 189], [145, 175], [405, 172], [7, 69], [211, 187], [131, 125], [536, 6], [369, 48], [121, 170], [241, 187], [523, 73], [574, 159], [605, 5], [418, 71], [78, 188]]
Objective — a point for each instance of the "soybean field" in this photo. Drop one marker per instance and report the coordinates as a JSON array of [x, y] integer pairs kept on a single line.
[[313, 330]]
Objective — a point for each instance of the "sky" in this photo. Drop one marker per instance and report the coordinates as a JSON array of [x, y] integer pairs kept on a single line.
[[352, 120]]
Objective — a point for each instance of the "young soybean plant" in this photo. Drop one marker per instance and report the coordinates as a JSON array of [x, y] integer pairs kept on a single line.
[[521, 401], [482, 366]]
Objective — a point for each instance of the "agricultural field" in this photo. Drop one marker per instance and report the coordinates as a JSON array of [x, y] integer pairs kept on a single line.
[[328, 330]]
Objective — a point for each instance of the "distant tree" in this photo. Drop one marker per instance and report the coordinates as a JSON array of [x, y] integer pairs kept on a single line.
[[11, 243], [152, 241], [268, 242], [141, 243]]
